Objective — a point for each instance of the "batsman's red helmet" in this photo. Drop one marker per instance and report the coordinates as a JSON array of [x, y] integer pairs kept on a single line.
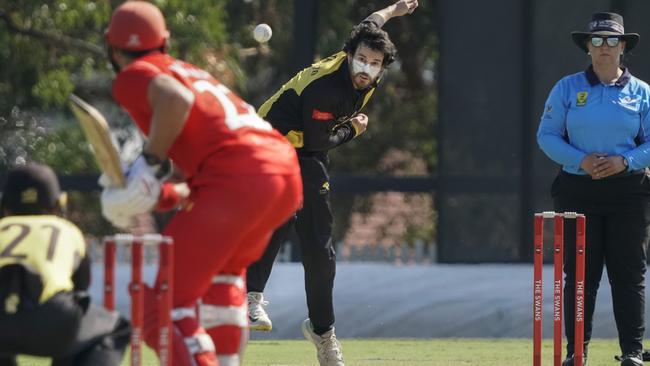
[[137, 26]]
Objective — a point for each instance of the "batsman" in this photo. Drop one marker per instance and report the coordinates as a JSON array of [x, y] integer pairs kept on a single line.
[[318, 110], [243, 175]]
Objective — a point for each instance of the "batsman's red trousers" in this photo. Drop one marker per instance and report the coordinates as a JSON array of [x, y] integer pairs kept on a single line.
[[226, 227]]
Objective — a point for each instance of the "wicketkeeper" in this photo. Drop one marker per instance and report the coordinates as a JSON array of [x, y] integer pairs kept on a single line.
[[44, 275]]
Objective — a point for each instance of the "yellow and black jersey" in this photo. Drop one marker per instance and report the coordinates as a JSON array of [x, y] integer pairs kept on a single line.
[[314, 108], [50, 247]]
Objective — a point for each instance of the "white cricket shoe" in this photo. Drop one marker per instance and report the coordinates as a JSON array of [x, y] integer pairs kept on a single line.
[[258, 319], [328, 348]]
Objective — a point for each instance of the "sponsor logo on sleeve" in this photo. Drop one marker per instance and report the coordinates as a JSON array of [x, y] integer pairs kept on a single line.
[[321, 116], [547, 111]]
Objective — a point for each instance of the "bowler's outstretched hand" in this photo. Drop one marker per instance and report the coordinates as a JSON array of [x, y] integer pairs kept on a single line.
[[404, 7]]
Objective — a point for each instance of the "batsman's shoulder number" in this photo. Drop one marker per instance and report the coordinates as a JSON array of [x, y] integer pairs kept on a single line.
[[244, 116]]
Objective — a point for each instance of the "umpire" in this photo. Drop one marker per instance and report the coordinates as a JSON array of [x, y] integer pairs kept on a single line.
[[596, 124], [318, 110], [44, 274]]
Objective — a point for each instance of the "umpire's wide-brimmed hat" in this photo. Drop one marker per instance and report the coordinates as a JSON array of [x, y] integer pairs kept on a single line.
[[606, 24]]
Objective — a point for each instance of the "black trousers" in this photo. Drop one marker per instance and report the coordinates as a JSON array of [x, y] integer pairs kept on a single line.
[[66, 328], [313, 225], [618, 221]]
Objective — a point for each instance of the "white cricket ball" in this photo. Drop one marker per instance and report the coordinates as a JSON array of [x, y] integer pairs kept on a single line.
[[262, 33]]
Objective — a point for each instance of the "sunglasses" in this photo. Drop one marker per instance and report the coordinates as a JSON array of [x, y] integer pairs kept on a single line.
[[599, 41]]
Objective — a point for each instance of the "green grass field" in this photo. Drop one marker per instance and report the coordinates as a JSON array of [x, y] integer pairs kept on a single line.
[[403, 352]]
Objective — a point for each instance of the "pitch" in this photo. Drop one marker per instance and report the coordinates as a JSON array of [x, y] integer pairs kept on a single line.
[[401, 352]]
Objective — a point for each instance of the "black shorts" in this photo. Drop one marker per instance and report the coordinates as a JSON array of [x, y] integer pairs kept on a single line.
[[48, 330]]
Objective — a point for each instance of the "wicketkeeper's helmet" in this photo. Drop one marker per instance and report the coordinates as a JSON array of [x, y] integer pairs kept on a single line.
[[32, 189]]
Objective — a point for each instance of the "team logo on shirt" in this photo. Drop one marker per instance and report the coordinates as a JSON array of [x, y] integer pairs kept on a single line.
[[631, 102], [581, 98], [11, 304], [325, 188]]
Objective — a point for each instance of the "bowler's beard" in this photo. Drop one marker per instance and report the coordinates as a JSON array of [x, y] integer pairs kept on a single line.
[[366, 83]]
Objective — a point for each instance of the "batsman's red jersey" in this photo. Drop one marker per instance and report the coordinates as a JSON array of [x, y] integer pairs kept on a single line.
[[222, 132], [245, 182]]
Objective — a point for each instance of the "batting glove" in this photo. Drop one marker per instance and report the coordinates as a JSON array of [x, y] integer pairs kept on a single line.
[[119, 220], [120, 205]]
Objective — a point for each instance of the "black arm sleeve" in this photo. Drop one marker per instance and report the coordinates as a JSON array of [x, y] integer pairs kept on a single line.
[[81, 277], [339, 136], [374, 19], [320, 134]]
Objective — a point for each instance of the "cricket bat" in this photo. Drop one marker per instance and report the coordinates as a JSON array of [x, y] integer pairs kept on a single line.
[[98, 136]]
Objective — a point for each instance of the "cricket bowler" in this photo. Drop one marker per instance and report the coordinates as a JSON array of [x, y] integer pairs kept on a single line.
[[317, 110]]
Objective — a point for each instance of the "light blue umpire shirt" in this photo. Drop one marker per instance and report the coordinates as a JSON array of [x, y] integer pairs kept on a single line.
[[582, 116]]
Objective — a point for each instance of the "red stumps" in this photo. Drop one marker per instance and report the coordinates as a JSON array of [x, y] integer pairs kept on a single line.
[[136, 289], [558, 262]]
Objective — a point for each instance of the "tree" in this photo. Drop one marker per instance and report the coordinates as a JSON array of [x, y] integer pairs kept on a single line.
[[54, 47]]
